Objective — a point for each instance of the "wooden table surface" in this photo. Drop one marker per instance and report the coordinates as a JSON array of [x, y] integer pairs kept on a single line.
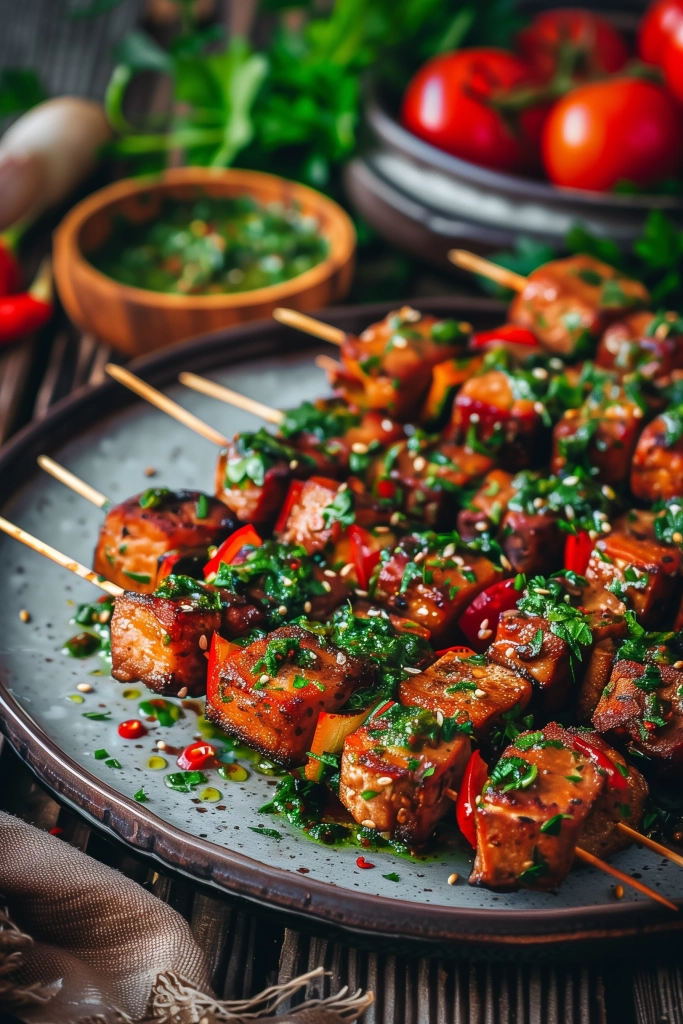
[[249, 950]]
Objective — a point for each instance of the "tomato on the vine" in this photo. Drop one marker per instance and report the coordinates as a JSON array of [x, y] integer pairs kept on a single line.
[[450, 103], [617, 130], [573, 37], [673, 62], [658, 24]]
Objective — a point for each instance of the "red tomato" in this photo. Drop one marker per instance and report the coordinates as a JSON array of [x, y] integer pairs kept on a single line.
[[673, 62], [620, 129], [473, 780], [447, 103], [598, 48], [656, 28]]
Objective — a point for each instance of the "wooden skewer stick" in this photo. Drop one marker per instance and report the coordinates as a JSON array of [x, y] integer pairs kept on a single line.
[[56, 556], [651, 844], [327, 363], [308, 325], [74, 482], [223, 394], [478, 265], [154, 397], [602, 865]]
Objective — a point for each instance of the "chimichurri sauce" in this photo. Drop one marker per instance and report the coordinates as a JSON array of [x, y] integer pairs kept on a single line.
[[212, 246]]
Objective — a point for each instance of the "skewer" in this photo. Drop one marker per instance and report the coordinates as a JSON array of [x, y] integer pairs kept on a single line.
[[171, 408], [56, 556], [72, 481], [651, 844], [326, 363], [602, 865], [309, 325], [485, 268], [223, 394]]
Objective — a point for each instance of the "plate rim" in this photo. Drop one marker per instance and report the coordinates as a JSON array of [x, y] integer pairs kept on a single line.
[[235, 873]]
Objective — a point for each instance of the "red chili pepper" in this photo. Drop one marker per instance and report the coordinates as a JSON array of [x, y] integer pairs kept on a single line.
[[10, 274], [197, 755], [28, 311], [601, 761], [462, 652], [232, 547], [132, 729], [56, 831], [577, 551], [364, 559], [474, 777], [361, 862], [510, 333], [293, 495], [386, 489], [487, 607], [167, 563]]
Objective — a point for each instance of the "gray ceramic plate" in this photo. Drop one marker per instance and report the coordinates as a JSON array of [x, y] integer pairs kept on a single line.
[[109, 440]]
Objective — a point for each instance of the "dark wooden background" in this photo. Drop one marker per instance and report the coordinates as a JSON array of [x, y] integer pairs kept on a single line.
[[249, 950]]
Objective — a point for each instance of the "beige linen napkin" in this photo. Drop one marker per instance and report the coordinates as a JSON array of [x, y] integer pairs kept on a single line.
[[79, 941]]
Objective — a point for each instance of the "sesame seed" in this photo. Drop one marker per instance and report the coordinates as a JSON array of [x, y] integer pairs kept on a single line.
[[474, 417], [637, 413], [509, 652], [374, 612], [265, 678], [467, 568], [368, 823], [84, 687], [387, 425], [540, 590], [182, 692], [326, 586], [385, 780], [677, 537], [282, 610], [569, 512], [678, 664], [458, 559], [539, 408], [481, 526], [360, 593], [161, 745], [331, 573], [345, 570], [538, 503], [419, 463], [479, 693], [203, 642], [608, 492], [606, 528], [448, 551], [399, 342], [395, 518], [556, 364], [341, 658], [419, 557], [24, 615], [452, 879], [342, 487], [570, 480], [675, 509], [412, 671], [294, 463], [484, 634], [539, 372], [439, 718], [505, 562], [477, 800], [423, 611], [150, 471], [381, 529], [359, 448], [409, 314], [618, 892], [104, 616], [307, 607], [484, 624]]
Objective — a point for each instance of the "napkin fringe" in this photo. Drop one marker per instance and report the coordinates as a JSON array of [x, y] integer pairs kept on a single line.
[[13, 944]]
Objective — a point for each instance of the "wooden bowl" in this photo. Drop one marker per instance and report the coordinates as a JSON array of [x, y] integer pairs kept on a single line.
[[136, 320]]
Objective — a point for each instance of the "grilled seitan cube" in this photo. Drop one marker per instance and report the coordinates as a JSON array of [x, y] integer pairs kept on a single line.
[[460, 689], [524, 642], [600, 834], [270, 694], [139, 532], [432, 580], [612, 424], [598, 672], [657, 466], [535, 804], [396, 769], [487, 507], [643, 343], [641, 574], [645, 701], [161, 639]]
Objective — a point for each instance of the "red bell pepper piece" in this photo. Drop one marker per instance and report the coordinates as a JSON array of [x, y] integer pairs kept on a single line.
[[364, 559], [577, 551], [386, 489], [462, 652], [10, 275], [474, 777], [510, 333], [293, 495], [246, 535], [167, 564], [197, 755], [28, 311], [601, 761], [487, 607]]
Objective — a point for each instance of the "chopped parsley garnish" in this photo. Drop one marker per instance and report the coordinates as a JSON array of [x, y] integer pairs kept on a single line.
[[546, 596], [340, 510], [282, 649], [202, 506], [553, 826], [185, 588], [255, 454], [184, 782], [324, 420], [153, 497], [392, 877], [98, 716], [513, 773]]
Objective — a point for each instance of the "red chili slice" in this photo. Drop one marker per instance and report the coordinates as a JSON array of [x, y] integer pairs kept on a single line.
[[293, 495], [197, 755], [386, 489], [132, 729], [510, 333], [361, 862], [474, 777], [577, 551], [487, 607], [231, 547], [364, 559], [601, 761], [462, 652], [26, 312]]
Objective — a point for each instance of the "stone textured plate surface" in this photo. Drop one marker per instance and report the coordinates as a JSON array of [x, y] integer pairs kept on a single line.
[[109, 440]]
